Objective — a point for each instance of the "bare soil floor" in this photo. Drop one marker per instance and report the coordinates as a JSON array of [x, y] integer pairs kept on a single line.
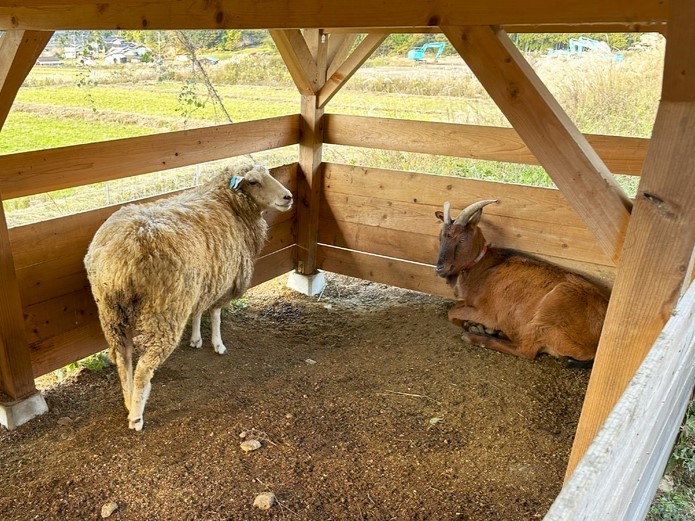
[[367, 404]]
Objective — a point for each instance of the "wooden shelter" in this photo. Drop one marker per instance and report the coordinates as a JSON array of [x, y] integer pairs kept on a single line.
[[376, 224]]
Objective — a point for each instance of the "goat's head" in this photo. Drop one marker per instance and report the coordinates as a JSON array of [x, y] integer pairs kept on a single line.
[[263, 188], [460, 240]]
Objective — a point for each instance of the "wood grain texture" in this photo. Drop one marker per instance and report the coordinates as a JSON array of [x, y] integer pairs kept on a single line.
[[29, 173], [554, 139], [339, 47], [262, 14], [619, 474], [18, 53], [623, 155], [352, 63], [297, 57], [660, 239], [15, 364], [646, 27], [310, 173]]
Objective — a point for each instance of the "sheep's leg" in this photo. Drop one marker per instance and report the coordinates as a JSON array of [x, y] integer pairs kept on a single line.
[[215, 320], [157, 349], [196, 337], [124, 363]]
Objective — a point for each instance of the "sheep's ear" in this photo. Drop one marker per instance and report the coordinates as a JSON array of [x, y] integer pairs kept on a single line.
[[439, 215], [236, 182]]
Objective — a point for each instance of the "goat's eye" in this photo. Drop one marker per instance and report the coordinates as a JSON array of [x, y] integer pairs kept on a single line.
[[253, 183]]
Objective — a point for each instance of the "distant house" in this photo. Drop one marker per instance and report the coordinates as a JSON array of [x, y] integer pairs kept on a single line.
[[125, 52], [70, 53], [48, 59]]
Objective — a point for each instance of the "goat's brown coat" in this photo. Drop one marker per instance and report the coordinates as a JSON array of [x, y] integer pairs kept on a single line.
[[535, 307]]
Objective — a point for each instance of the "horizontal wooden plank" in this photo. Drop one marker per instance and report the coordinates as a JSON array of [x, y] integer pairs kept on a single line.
[[395, 272], [622, 155], [29, 173], [619, 474], [658, 27], [164, 14], [423, 248], [48, 255], [527, 218], [67, 328]]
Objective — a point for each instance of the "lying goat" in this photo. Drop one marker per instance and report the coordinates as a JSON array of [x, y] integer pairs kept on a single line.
[[513, 303]]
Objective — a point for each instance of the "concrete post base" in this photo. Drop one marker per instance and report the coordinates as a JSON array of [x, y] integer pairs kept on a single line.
[[14, 414], [310, 285]]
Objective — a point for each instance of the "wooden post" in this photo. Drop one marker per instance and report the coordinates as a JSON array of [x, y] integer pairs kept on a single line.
[[660, 237], [18, 53], [16, 375], [310, 157], [547, 131]]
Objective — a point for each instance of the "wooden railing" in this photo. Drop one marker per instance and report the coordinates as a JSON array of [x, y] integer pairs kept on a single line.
[[60, 316], [374, 224]]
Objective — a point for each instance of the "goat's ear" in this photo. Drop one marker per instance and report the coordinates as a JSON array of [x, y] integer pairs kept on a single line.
[[475, 218], [439, 215]]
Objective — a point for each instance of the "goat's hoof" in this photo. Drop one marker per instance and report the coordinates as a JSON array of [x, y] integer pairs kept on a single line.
[[197, 342], [136, 424], [220, 349]]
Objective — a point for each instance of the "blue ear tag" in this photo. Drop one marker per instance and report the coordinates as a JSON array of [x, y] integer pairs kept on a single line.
[[235, 183]]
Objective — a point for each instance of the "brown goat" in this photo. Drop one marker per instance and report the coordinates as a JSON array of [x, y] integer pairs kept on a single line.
[[514, 303]]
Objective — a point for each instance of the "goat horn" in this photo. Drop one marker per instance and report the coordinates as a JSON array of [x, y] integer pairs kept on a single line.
[[470, 210], [447, 212]]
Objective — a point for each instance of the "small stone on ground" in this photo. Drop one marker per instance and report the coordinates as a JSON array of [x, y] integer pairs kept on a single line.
[[265, 500]]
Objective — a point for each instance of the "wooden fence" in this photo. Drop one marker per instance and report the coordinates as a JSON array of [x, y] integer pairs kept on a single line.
[[374, 224]]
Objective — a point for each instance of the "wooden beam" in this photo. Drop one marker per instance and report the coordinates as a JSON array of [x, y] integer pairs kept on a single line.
[[29, 173], [624, 155], [619, 475], [647, 27], [349, 67], [297, 57], [339, 47], [548, 132], [199, 14], [660, 237], [18, 53], [310, 157], [16, 377]]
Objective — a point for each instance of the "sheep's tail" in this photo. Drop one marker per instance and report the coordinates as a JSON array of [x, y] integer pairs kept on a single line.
[[118, 333], [118, 324]]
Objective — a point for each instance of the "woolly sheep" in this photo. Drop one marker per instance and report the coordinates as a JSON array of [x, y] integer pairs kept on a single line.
[[153, 265]]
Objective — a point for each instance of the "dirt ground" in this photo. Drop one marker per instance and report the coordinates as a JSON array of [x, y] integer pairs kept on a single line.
[[367, 404]]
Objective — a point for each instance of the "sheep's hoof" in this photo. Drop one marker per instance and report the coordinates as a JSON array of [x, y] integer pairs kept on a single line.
[[136, 424], [197, 342], [220, 349]]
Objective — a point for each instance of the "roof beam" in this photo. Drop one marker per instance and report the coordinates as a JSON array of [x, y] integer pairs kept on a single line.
[[262, 14], [339, 47], [548, 132], [343, 73], [650, 27], [18, 53], [296, 54]]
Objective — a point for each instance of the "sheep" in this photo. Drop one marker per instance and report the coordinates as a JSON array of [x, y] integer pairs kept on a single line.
[[152, 266], [513, 303]]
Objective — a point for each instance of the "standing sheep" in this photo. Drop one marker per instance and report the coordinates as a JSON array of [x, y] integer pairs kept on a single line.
[[151, 266]]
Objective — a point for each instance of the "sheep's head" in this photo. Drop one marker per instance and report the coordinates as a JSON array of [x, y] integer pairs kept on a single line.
[[460, 240], [263, 188]]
